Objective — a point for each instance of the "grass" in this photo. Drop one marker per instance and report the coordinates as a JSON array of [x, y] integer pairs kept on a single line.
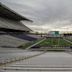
[[54, 42], [51, 44], [70, 39], [64, 43]]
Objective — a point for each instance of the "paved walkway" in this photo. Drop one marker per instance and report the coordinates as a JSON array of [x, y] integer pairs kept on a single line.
[[47, 62], [10, 55]]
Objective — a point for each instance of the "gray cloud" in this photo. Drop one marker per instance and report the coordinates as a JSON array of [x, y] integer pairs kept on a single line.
[[49, 13]]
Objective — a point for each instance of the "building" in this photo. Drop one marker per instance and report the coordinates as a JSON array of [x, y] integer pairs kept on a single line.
[[11, 20], [12, 31], [54, 34]]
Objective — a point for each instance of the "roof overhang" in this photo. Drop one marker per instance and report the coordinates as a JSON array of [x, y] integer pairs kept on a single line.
[[11, 30], [15, 25], [6, 12]]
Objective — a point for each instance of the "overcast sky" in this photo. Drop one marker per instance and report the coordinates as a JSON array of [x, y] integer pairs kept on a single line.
[[46, 14]]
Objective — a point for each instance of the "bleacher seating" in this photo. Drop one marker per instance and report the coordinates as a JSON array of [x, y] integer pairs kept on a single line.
[[10, 41], [23, 36], [10, 28]]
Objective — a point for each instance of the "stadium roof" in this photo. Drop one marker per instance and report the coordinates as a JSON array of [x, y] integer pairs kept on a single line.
[[11, 20], [16, 25], [5, 12]]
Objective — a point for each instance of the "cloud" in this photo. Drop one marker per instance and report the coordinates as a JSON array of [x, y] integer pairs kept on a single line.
[[46, 14]]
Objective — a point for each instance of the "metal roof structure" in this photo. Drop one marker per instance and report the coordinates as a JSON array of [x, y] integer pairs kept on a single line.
[[9, 19], [10, 22], [16, 25], [6, 12]]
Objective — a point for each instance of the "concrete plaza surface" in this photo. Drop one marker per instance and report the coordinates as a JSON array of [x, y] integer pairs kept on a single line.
[[48, 62], [8, 55]]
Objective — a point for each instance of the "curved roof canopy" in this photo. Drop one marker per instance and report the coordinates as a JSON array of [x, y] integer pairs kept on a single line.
[[10, 24], [5, 12]]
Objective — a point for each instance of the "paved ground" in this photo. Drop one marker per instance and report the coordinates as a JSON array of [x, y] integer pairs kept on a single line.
[[48, 62], [8, 55]]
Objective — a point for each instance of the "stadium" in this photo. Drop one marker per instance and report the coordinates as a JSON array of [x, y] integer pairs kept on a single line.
[[21, 49]]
